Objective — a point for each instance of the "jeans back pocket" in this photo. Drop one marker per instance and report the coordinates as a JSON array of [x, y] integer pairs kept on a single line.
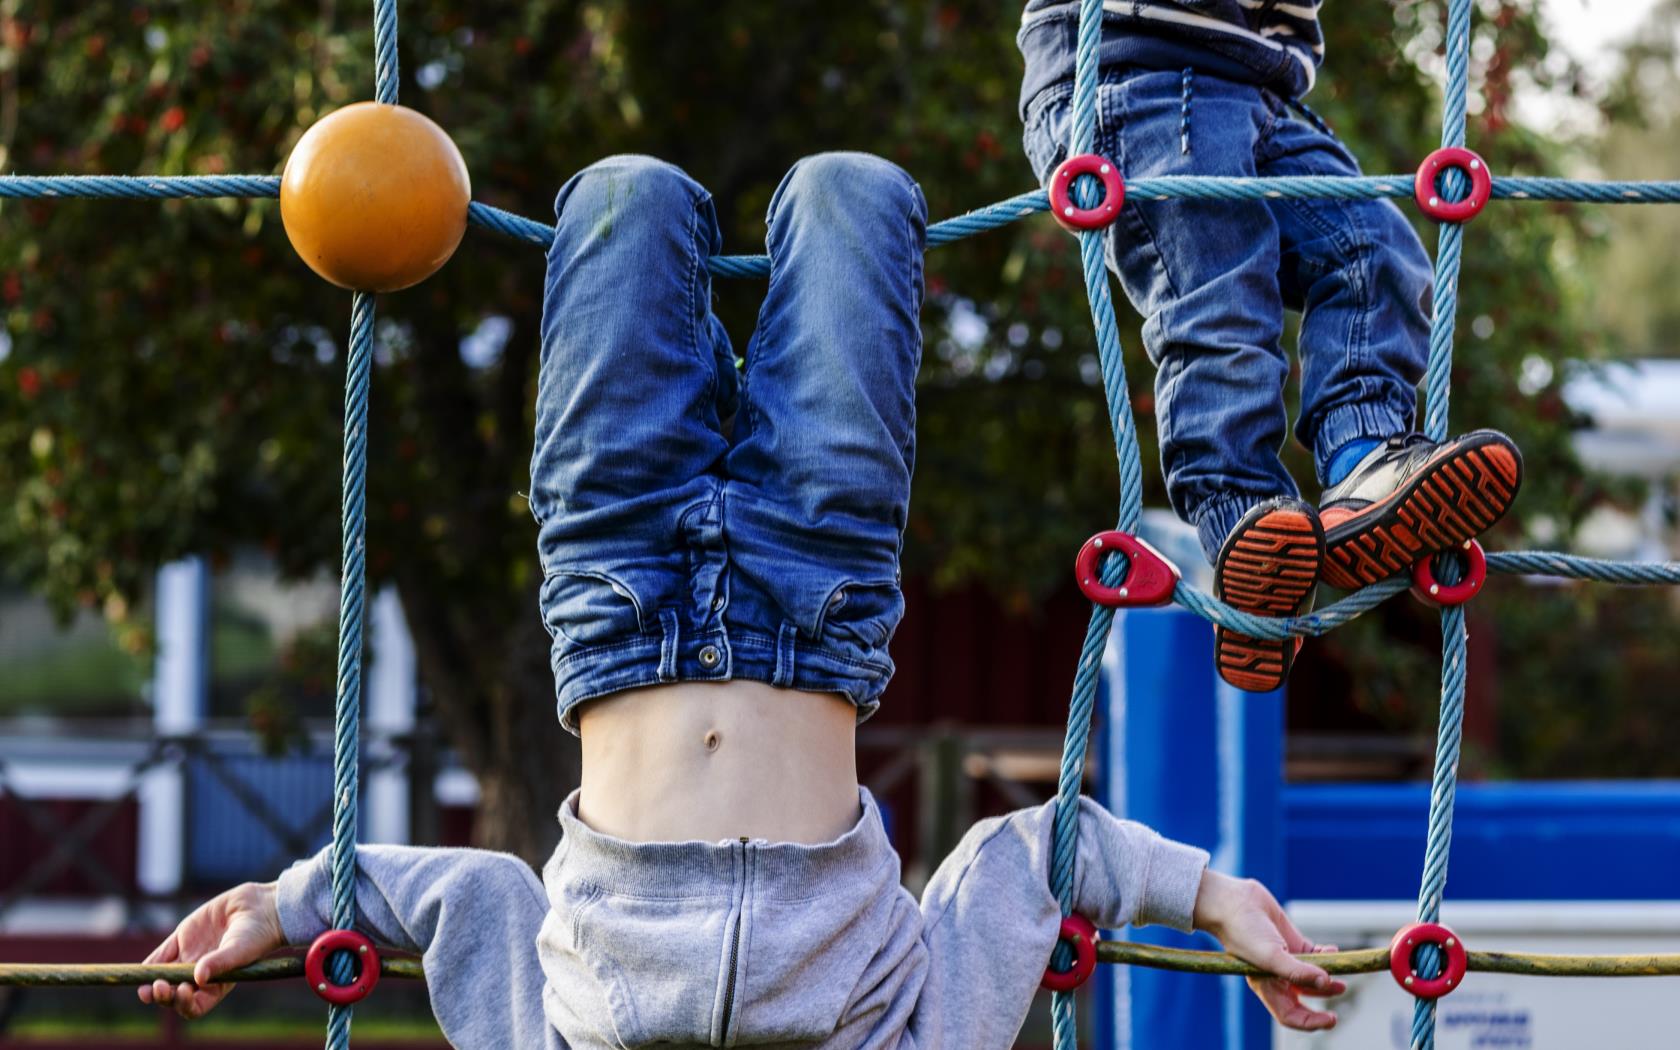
[[587, 607], [862, 617]]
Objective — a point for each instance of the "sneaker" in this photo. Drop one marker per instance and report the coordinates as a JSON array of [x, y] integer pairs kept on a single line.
[[1410, 498], [1268, 566]]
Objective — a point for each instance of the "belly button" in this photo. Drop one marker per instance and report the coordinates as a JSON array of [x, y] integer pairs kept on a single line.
[[713, 739]]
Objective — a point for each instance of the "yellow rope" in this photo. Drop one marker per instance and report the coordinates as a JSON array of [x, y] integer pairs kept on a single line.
[[1365, 960], [1375, 960], [39, 975]]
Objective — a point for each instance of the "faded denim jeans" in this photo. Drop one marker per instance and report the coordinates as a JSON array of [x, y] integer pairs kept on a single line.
[[1212, 280], [677, 548]]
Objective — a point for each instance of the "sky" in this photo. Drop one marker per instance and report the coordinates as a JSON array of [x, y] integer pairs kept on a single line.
[[1589, 29]]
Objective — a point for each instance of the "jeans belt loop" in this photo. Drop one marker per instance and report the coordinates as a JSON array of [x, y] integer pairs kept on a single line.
[[668, 645], [785, 636]]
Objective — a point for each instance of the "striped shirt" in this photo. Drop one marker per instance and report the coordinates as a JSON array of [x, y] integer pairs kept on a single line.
[[1267, 42]]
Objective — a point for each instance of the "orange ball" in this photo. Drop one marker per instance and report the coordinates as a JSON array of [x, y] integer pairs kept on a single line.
[[374, 197]]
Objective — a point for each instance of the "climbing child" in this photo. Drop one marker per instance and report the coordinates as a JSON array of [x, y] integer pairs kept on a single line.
[[1211, 87], [720, 556]]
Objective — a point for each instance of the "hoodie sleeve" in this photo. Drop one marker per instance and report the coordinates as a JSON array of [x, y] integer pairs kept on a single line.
[[472, 915], [989, 920]]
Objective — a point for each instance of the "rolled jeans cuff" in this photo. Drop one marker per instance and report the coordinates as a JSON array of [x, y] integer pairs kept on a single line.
[[1376, 420], [1218, 516]]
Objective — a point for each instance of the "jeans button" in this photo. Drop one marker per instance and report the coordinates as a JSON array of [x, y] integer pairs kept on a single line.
[[709, 656]]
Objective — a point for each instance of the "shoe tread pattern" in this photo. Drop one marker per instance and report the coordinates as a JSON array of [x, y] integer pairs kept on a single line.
[[1456, 498], [1268, 570]]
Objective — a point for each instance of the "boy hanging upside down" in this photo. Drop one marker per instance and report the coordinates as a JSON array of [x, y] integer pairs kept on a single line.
[[1212, 87], [721, 599]]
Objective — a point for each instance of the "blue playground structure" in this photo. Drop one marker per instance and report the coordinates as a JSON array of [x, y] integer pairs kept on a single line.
[[1200, 761]]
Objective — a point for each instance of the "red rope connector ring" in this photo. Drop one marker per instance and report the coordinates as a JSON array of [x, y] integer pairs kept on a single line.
[[1407, 942], [1080, 932], [1429, 198], [367, 962], [1427, 589], [1150, 577], [1099, 215]]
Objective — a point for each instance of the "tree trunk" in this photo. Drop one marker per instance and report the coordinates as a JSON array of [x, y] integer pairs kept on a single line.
[[489, 682], [532, 764]]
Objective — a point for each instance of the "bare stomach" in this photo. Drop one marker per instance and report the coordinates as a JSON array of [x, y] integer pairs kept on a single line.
[[711, 761]]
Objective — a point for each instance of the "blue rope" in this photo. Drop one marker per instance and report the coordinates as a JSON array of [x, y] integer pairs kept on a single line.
[[147, 187], [506, 222], [1064, 835], [1569, 566], [992, 217], [1312, 625], [1454, 640], [353, 579], [1530, 188], [351, 610], [1514, 563], [387, 71]]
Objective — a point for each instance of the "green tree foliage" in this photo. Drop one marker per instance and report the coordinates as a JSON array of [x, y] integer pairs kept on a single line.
[[173, 376], [1640, 269], [1587, 674]]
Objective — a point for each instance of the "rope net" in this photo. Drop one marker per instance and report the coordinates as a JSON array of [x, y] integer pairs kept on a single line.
[[1454, 186]]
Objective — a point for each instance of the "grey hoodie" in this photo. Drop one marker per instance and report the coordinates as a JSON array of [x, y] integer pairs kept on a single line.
[[746, 943]]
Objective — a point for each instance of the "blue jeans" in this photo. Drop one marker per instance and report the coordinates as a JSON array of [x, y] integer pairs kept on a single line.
[[1212, 280], [675, 547]]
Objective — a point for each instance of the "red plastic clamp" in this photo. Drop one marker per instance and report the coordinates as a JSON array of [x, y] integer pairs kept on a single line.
[[1080, 932], [1430, 199], [1427, 589], [1099, 215], [1150, 577], [367, 961], [1407, 942]]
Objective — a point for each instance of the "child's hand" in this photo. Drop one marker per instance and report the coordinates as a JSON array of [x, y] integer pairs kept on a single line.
[[236, 928], [1251, 925]]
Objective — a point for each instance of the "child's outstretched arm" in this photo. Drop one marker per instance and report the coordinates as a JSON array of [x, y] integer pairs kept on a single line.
[[990, 921], [234, 929], [1245, 918], [471, 914]]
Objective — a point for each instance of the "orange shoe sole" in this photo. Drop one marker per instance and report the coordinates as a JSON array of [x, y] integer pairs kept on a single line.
[[1268, 569], [1453, 499]]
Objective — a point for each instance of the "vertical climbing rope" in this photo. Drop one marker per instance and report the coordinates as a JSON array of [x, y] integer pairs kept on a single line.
[[1454, 639], [353, 577], [351, 606], [385, 62], [1437, 387], [1065, 831]]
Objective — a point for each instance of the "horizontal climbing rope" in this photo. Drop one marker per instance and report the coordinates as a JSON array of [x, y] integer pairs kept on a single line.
[[1126, 953], [948, 231], [1511, 563], [992, 216], [1376, 960], [55, 975]]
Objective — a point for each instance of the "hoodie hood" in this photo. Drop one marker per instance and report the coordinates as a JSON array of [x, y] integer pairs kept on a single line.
[[733, 943]]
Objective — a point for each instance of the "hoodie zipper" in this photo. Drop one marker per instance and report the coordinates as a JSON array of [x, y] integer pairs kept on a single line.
[[735, 945]]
